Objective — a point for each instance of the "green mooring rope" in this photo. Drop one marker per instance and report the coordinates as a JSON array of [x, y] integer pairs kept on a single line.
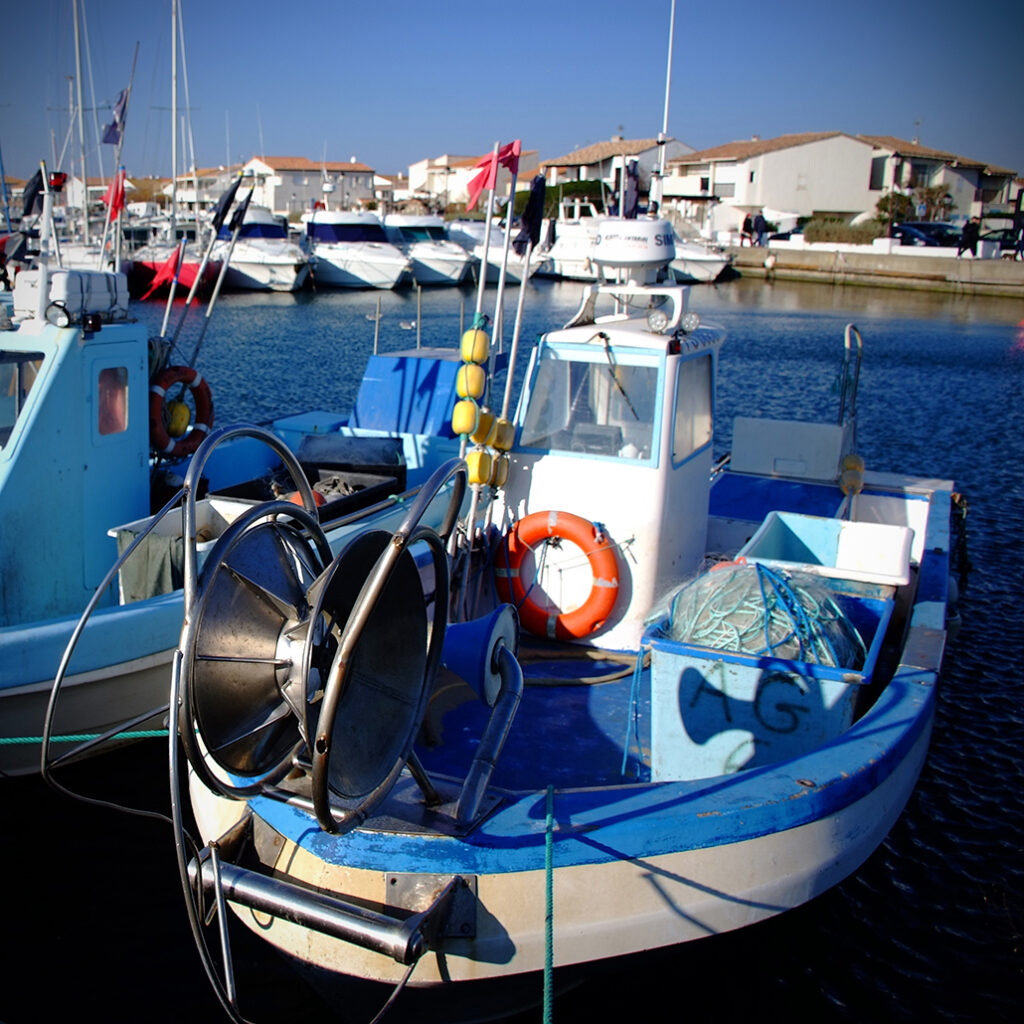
[[82, 737], [549, 905]]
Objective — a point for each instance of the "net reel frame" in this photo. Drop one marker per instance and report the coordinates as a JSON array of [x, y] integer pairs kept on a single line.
[[198, 589]]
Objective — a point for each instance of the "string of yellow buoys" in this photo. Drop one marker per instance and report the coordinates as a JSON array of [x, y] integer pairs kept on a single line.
[[492, 436]]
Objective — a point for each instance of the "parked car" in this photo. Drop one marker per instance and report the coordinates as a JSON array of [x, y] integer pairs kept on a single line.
[[1006, 237], [908, 235], [940, 231], [785, 236]]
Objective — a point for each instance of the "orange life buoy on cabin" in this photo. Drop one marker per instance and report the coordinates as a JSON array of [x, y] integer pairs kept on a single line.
[[543, 526], [159, 437]]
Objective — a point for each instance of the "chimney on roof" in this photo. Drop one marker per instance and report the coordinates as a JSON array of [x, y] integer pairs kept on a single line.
[[755, 138], [352, 159], [916, 141]]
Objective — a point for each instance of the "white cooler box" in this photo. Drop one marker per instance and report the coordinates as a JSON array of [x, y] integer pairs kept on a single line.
[[78, 291]]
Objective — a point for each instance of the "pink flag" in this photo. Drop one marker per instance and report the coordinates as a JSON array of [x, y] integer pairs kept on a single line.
[[507, 156]]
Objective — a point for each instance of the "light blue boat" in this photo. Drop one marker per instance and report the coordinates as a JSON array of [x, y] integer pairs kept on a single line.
[[86, 458], [622, 697]]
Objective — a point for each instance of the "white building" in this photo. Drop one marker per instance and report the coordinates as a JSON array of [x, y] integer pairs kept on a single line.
[[821, 174], [605, 161], [291, 185], [442, 180]]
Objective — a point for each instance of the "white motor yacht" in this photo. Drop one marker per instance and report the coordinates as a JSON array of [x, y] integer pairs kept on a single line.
[[263, 259], [435, 258], [350, 250]]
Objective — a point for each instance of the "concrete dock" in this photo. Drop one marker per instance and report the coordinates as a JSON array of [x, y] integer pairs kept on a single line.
[[871, 266]]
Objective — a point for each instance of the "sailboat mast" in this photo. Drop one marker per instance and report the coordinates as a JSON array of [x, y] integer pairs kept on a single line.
[[174, 121], [81, 125], [663, 137]]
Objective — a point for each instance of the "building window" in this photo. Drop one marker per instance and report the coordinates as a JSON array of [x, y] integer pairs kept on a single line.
[[877, 180], [751, 178], [705, 184], [725, 190]]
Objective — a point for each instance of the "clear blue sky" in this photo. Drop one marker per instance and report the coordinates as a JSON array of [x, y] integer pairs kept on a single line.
[[394, 82]]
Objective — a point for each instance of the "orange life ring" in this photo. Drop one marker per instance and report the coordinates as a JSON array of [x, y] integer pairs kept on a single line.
[[541, 527], [160, 440]]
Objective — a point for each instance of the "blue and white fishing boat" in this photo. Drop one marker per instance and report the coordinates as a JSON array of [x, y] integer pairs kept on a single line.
[[97, 429], [617, 697]]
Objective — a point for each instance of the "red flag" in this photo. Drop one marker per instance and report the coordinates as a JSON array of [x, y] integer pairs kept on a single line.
[[507, 156], [167, 271], [114, 196]]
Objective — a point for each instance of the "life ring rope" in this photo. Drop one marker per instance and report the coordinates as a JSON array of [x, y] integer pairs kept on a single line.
[[538, 529], [159, 437]]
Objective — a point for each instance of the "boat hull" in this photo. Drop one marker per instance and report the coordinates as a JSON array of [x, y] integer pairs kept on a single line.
[[672, 862], [356, 266], [142, 272], [253, 275]]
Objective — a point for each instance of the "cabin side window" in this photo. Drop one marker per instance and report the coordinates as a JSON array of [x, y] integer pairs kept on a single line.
[[112, 389], [692, 428], [601, 408], [18, 371]]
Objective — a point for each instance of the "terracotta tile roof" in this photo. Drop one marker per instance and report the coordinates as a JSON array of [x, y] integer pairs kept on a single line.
[[905, 148], [301, 163], [602, 151], [746, 148]]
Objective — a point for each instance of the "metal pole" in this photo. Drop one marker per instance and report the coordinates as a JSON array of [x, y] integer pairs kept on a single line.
[[81, 128], [514, 350]]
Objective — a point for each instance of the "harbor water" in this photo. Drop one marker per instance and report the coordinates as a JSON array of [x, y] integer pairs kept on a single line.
[[930, 928]]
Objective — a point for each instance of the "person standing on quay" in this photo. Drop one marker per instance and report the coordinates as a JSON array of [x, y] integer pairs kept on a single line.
[[969, 238], [760, 227]]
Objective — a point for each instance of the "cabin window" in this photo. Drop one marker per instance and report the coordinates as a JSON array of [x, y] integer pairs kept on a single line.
[[605, 407], [692, 428], [18, 372], [113, 400]]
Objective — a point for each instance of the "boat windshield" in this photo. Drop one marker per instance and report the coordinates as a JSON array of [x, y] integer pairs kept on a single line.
[[18, 372], [423, 233], [345, 232], [256, 231], [601, 407]]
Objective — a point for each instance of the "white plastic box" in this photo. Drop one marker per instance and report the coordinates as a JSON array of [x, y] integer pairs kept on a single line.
[[837, 548]]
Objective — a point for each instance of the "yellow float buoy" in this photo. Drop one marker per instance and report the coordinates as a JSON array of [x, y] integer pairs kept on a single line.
[[465, 417], [478, 463], [476, 346], [470, 381], [485, 431], [504, 435], [178, 418]]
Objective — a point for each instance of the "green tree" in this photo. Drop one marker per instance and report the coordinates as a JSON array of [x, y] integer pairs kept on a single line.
[[901, 207]]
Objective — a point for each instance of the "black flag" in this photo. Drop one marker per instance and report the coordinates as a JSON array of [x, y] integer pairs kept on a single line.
[[238, 216], [220, 211], [33, 190], [531, 219]]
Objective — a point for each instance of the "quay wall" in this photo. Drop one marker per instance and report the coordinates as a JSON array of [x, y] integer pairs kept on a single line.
[[938, 271]]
